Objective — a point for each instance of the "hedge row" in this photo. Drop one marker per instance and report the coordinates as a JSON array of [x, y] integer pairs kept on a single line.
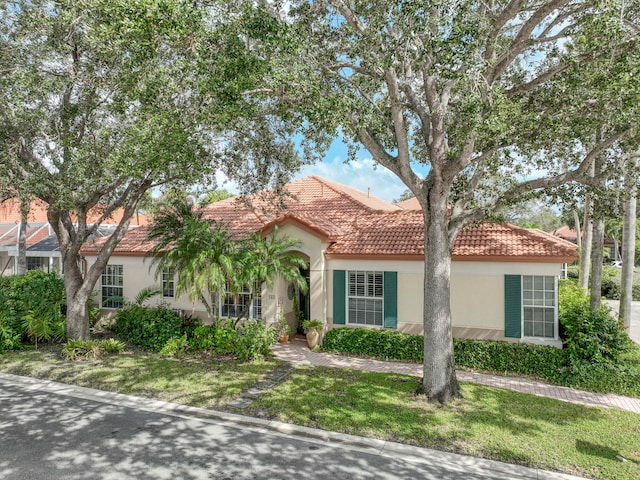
[[520, 358]]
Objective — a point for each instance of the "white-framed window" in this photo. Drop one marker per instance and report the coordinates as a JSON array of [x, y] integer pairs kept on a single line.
[[539, 306], [112, 286], [38, 263], [168, 285], [365, 298], [564, 269], [233, 304]]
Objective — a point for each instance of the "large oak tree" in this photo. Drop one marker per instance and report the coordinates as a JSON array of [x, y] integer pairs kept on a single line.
[[102, 100], [473, 105]]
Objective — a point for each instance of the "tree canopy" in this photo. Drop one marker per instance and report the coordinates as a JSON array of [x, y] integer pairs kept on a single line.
[[102, 100], [495, 100]]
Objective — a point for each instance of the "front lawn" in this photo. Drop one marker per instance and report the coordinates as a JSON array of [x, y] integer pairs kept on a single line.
[[489, 422], [199, 381]]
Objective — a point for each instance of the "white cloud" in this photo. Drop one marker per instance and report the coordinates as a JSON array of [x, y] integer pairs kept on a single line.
[[361, 174]]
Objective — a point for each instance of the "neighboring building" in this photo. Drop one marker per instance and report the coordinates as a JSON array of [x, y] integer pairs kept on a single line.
[[43, 251], [365, 262], [565, 232]]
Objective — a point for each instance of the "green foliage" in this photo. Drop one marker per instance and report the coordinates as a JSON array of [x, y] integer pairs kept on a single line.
[[282, 327], [9, 338], [389, 344], [219, 339], [175, 346], [254, 340], [250, 340], [590, 338], [34, 306], [610, 287], [311, 324], [515, 358], [148, 328], [83, 349]]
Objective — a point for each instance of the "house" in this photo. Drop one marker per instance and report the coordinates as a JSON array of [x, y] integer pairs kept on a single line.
[[612, 249], [43, 250], [365, 262]]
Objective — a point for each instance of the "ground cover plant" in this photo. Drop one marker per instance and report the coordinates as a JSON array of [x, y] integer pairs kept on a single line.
[[488, 422]]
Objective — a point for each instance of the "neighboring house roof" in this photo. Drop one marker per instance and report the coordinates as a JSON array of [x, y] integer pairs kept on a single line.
[[10, 214], [410, 204], [40, 236], [360, 226], [567, 233]]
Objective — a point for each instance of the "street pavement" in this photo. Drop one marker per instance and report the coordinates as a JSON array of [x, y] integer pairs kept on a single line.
[[50, 430]]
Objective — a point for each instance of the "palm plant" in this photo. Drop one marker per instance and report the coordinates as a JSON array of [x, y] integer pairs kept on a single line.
[[263, 259], [199, 251]]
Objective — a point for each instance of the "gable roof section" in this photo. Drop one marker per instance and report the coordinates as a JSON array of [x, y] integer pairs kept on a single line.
[[360, 226]]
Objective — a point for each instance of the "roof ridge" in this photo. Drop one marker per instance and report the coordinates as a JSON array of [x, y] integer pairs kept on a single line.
[[343, 191], [548, 237]]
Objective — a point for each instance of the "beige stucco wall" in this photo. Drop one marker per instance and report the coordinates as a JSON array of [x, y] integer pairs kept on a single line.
[[138, 275], [477, 293]]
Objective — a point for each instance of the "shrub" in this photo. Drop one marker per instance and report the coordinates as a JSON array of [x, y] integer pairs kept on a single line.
[[610, 287], [33, 306], [148, 328], [589, 337], [254, 340], [520, 358], [220, 338], [174, 346], [82, 349], [547, 362], [389, 344], [9, 338]]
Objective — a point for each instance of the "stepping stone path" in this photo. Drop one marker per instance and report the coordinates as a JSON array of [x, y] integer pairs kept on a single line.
[[244, 400]]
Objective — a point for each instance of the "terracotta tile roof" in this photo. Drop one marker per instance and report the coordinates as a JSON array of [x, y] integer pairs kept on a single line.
[[409, 204], [567, 233], [10, 214], [134, 243], [360, 226], [509, 241]]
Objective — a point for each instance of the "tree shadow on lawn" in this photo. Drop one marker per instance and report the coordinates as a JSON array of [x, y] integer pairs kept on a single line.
[[199, 382], [489, 422]]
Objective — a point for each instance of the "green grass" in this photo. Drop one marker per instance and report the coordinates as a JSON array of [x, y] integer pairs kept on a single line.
[[489, 422], [198, 381]]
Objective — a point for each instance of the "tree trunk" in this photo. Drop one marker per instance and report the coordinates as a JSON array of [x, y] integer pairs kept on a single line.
[[77, 298], [628, 244], [576, 222], [585, 251], [597, 257], [439, 382], [21, 264]]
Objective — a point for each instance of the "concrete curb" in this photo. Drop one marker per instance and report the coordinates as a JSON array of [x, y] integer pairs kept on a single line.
[[462, 463]]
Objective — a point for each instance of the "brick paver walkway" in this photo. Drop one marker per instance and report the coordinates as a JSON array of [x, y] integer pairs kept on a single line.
[[298, 353]]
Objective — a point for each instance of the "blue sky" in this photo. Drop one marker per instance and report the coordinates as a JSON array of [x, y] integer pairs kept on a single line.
[[362, 173]]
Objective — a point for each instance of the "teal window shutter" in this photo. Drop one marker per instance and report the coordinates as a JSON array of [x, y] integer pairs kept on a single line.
[[339, 297], [390, 299], [513, 306]]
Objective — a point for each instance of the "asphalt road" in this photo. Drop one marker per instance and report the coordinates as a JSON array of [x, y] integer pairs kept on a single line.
[[55, 431]]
